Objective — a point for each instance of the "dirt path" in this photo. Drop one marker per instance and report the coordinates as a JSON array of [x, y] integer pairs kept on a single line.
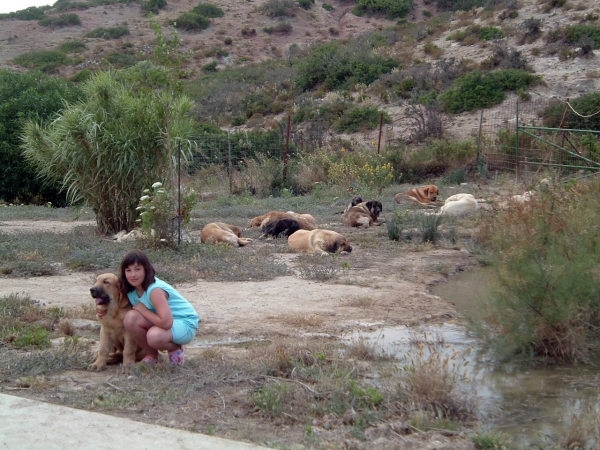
[[393, 293]]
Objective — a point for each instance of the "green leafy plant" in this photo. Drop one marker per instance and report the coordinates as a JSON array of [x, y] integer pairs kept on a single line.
[[392, 9], [482, 90], [279, 8], [108, 33], [46, 61], [64, 20], [208, 10], [153, 6], [72, 47], [191, 21]]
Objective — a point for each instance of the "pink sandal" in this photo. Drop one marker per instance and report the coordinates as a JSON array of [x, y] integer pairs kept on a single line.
[[149, 360], [177, 357]]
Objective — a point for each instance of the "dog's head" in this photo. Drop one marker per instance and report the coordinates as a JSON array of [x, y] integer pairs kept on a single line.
[[431, 191], [356, 200], [339, 244], [375, 207], [256, 222], [106, 293]]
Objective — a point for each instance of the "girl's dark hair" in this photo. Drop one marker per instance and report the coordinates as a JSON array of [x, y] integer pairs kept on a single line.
[[136, 257]]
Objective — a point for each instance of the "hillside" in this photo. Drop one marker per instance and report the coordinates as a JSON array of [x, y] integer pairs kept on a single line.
[[425, 36]]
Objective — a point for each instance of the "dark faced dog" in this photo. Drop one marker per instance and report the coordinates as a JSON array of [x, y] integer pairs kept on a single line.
[[113, 337], [364, 214], [281, 226]]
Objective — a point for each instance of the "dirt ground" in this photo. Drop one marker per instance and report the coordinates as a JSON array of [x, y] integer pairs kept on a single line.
[[387, 290]]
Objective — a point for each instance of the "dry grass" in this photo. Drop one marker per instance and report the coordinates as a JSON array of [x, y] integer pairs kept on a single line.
[[303, 320], [362, 301]]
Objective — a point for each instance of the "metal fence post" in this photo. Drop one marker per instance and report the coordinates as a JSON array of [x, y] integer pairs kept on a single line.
[[229, 161], [287, 147], [380, 128]]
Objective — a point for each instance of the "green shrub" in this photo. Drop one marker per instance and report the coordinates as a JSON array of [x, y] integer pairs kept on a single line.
[[327, 7], [279, 8], [392, 9], [31, 13], [81, 76], [153, 6], [191, 21], [72, 47], [25, 95], [208, 10], [585, 105], [305, 4], [458, 5], [484, 89], [360, 118], [210, 67], [337, 66], [108, 33], [281, 27], [121, 59], [546, 298], [64, 20], [575, 33], [490, 33], [46, 61]]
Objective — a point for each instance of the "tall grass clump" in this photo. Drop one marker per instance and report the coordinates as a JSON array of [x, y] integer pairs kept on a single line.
[[546, 255]]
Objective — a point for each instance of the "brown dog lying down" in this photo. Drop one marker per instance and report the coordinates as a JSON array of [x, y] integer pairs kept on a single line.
[[114, 340], [215, 232], [319, 241], [306, 221], [363, 215], [425, 195]]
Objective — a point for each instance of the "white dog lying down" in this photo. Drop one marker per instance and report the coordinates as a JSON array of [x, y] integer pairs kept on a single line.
[[459, 205]]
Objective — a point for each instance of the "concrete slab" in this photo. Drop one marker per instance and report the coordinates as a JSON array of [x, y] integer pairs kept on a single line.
[[34, 425]]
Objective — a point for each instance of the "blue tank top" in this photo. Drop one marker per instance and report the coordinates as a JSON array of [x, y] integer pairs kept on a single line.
[[180, 307]]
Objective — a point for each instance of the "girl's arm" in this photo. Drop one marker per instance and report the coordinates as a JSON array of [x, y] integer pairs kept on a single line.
[[163, 318]]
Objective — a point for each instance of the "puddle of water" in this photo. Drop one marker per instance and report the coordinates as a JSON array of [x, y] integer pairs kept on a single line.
[[530, 404]]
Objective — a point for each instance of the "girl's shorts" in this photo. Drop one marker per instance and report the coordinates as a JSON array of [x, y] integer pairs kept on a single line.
[[183, 332]]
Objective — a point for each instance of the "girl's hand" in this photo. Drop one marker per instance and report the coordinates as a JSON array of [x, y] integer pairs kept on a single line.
[[141, 308]]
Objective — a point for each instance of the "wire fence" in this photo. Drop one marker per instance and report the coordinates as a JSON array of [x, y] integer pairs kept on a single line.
[[518, 136]]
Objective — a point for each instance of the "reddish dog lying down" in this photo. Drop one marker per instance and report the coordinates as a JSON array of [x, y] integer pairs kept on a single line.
[[425, 195], [319, 241], [306, 221]]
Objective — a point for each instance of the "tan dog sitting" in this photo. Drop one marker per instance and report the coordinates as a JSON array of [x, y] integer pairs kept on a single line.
[[216, 232], [319, 241], [111, 307], [306, 221], [424, 196]]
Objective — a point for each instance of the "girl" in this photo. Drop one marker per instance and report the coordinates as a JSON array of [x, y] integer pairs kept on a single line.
[[161, 319]]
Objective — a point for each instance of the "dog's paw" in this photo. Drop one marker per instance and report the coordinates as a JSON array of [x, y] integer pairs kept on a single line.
[[96, 367]]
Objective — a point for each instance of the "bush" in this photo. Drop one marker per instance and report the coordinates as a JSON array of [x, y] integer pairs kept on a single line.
[[64, 20], [392, 9], [208, 10], [72, 47], [458, 5], [337, 66], [575, 33], [305, 4], [108, 33], [360, 118], [25, 95], [279, 8], [31, 13], [121, 59], [46, 61], [153, 6], [281, 27], [586, 105], [191, 21], [210, 67], [546, 299], [327, 7], [482, 90]]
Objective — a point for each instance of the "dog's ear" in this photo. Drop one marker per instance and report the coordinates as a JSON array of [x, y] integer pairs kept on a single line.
[[370, 204], [123, 300], [333, 246]]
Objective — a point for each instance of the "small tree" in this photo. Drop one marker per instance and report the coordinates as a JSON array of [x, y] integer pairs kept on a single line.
[[115, 143]]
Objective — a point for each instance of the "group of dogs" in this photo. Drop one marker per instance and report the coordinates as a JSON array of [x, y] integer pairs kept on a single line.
[[301, 229], [302, 234]]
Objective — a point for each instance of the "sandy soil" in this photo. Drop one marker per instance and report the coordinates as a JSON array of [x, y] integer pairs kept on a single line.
[[397, 290]]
